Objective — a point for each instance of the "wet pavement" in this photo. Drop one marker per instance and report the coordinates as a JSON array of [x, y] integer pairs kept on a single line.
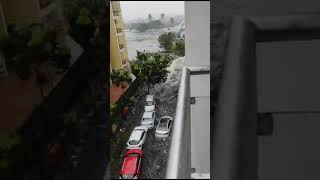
[[155, 150]]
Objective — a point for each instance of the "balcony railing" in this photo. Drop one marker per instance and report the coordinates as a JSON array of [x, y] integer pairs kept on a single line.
[[179, 160]]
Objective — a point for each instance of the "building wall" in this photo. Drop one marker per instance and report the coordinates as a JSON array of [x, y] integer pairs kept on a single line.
[[118, 44], [197, 22], [21, 11], [3, 24]]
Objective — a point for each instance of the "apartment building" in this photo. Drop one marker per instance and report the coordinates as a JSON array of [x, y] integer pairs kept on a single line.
[[118, 45]]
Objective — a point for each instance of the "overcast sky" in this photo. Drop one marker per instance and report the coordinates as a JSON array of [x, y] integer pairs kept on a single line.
[[140, 9]]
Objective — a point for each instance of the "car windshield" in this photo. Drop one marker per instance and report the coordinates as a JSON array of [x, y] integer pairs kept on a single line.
[[162, 125], [133, 142], [146, 119], [127, 176], [133, 155], [149, 103]]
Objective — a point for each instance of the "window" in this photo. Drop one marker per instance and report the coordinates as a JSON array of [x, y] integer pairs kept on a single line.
[[169, 124], [149, 103], [127, 176], [133, 142], [142, 135], [133, 155]]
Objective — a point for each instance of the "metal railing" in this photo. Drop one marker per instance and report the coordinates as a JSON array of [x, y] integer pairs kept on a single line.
[[179, 160]]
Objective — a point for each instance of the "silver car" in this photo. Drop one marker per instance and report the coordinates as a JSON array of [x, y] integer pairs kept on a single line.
[[148, 119], [137, 137], [150, 103], [164, 126]]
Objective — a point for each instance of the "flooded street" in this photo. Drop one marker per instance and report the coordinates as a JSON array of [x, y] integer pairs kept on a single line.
[[155, 150]]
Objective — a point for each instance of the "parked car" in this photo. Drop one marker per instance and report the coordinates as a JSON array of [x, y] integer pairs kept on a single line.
[[164, 126], [137, 137], [148, 119], [131, 166], [150, 103]]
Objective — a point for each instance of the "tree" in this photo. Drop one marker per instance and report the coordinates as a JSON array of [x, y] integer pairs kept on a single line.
[[178, 47], [166, 41], [120, 77], [172, 20], [151, 67], [83, 28], [150, 17], [162, 15], [34, 50]]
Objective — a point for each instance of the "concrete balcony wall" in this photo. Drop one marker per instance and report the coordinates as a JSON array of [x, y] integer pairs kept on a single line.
[[197, 22]]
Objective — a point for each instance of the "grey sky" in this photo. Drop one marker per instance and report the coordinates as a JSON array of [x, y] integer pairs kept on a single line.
[[141, 9]]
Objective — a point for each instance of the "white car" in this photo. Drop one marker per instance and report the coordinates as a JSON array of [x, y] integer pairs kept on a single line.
[[137, 137], [164, 126], [148, 119], [150, 103]]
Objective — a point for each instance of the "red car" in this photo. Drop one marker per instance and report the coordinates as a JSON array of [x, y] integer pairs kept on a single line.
[[131, 164]]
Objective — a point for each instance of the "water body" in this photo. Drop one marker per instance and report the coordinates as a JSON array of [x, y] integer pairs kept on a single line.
[[139, 41]]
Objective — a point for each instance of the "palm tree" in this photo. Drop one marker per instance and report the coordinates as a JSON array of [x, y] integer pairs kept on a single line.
[[172, 20], [162, 15], [150, 17]]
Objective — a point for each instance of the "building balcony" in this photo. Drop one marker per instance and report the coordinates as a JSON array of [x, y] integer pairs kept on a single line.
[[124, 61], [119, 31], [121, 47], [189, 151], [116, 6]]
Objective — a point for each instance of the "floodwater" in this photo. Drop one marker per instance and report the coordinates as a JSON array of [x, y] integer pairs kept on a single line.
[[138, 41], [155, 150]]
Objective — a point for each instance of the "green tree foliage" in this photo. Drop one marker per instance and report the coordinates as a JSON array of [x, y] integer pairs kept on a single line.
[[35, 46], [172, 44], [120, 76], [178, 47], [84, 27], [151, 67], [142, 27], [166, 41]]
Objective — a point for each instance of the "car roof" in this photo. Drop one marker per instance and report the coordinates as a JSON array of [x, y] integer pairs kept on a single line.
[[150, 97], [147, 114], [136, 135], [129, 165]]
